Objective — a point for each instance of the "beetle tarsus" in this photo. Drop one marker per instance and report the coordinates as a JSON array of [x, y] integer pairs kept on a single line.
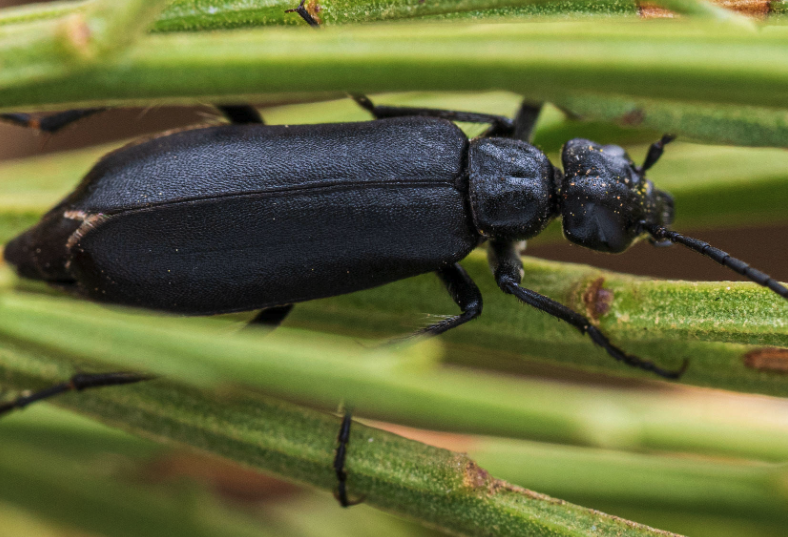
[[465, 294], [302, 11], [52, 123], [340, 493]]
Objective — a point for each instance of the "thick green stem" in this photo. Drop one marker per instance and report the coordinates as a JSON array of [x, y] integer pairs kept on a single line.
[[48, 49], [688, 62], [322, 370], [740, 125], [438, 487]]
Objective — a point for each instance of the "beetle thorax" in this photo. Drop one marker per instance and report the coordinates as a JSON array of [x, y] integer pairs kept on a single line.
[[513, 188]]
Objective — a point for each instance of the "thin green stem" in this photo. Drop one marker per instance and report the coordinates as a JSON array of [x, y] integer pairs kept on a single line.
[[688, 62], [322, 370], [46, 49], [739, 125], [616, 481]]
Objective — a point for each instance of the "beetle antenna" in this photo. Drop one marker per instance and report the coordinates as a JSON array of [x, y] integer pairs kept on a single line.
[[723, 258], [655, 152]]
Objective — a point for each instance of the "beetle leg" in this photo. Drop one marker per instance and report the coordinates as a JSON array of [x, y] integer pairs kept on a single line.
[[240, 114], [49, 124], [79, 382], [499, 125], [655, 152], [525, 120], [464, 293], [302, 11], [339, 463], [507, 268], [271, 317]]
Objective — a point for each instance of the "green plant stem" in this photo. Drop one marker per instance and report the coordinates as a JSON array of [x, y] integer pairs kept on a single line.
[[65, 447], [47, 49], [198, 15], [605, 479], [705, 9], [740, 125], [202, 15], [679, 61], [436, 486], [76, 473], [322, 370]]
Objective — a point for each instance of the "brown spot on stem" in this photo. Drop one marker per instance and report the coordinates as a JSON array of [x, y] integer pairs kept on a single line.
[[758, 9], [474, 476], [633, 118], [597, 299], [648, 10], [77, 34], [477, 478], [768, 359], [313, 8]]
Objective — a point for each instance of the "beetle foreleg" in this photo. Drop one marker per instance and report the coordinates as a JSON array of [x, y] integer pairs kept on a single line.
[[339, 463], [78, 382], [507, 268]]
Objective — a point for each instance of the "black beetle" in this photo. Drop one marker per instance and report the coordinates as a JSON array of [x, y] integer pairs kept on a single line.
[[245, 216]]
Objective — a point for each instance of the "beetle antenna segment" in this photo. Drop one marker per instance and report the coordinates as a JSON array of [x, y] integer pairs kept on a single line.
[[79, 382], [339, 463], [723, 258], [655, 152]]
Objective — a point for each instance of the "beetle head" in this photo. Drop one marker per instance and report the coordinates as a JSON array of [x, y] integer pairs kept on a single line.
[[605, 198]]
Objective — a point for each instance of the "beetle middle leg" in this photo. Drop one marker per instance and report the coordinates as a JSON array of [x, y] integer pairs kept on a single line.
[[507, 267], [464, 293], [519, 128]]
